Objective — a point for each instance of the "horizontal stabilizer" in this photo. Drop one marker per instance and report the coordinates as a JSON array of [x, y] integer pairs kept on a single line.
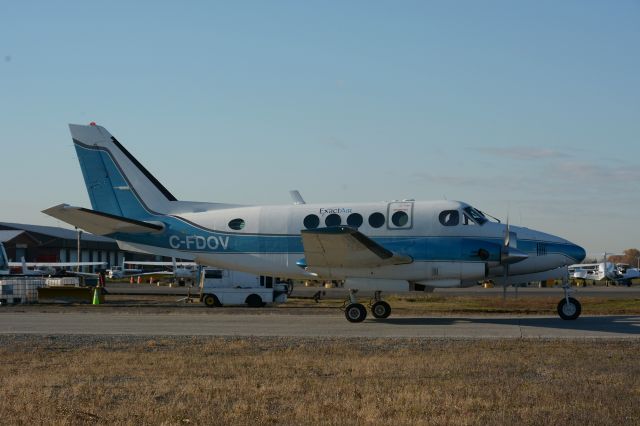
[[100, 223], [345, 247]]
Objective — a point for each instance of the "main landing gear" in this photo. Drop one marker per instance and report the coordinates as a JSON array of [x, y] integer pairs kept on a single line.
[[356, 312], [568, 308]]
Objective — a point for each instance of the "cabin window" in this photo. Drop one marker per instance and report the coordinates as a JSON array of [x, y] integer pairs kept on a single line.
[[355, 220], [213, 274], [333, 220], [400, 219], [236, 224], [311, 221], [376, 220], [449, 217]]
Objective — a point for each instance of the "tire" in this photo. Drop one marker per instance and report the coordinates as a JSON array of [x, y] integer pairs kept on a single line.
[[381, 309], [355, 312], [211, 300], [569, 311], [254, 301]]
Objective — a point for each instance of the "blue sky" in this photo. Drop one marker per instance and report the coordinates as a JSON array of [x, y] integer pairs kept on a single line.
[[525, 108]]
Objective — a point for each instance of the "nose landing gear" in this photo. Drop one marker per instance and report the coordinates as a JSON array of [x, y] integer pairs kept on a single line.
[[568, 308]]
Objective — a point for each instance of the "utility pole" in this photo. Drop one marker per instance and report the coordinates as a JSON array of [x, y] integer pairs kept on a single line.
[[78, 258]]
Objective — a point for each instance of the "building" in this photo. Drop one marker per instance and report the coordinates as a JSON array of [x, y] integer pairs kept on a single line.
[[51, 244]]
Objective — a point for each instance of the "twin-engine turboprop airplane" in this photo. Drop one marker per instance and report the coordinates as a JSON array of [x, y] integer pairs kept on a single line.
[[382, 246]]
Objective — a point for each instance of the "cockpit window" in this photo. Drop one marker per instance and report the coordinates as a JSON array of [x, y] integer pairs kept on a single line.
[[449, 217], [475, 215]]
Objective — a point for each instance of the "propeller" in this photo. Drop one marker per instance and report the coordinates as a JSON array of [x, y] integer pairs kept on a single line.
[[509, 254], [504, 255]]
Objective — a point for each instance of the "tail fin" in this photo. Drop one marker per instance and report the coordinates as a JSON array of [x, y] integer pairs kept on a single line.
[[116, 182]]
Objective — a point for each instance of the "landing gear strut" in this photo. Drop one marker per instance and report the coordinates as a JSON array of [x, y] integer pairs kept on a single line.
[[356, 312], [568, 308]]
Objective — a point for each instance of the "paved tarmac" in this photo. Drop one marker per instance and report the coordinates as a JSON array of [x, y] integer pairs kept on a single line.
[[613, 292], [218, 323]]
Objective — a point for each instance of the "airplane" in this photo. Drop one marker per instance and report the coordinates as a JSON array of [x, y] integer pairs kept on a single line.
[[118, 272], [627, 273], [180, 271], [52, 268], [620, 273], [379, 246], [593, 271]]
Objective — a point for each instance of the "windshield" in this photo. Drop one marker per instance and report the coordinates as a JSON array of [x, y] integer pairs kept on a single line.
[[475, 215]]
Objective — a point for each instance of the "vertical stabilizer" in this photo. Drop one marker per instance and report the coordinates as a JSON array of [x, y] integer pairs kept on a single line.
[[116, 182]]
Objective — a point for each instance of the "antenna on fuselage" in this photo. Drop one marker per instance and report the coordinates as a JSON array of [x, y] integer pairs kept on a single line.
[[296, 197]]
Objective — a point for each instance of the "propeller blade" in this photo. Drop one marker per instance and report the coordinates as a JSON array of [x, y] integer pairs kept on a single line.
[[505, 281]]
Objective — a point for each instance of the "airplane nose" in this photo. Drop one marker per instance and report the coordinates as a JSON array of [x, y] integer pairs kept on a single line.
[[576, 252]]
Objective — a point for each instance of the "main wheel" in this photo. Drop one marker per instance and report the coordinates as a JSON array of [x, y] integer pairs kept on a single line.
[[355, 312], [569, 310], [210, 300], [254, 301], [381, 309]]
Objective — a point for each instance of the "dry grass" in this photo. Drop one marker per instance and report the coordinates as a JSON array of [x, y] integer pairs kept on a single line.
[[120, 380], [494, 304]]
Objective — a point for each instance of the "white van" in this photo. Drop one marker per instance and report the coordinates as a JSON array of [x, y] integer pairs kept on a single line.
[[220, 287]]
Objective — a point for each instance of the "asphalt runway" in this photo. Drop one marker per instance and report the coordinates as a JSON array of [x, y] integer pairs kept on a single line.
[[613, 292], [219, 323]]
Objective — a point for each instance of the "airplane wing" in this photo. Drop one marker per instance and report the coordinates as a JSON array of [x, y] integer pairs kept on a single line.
[[59, 264], [145, 263], [100, 223], [83, 274], [145, 274], [345, 247]]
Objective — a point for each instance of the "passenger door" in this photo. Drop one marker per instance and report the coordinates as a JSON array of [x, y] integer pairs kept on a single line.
[[400, 215]]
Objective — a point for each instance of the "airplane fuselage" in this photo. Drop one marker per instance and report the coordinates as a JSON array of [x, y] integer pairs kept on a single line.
[[444, 250]]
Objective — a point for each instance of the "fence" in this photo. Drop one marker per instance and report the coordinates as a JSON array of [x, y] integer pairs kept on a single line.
[[20, 290]]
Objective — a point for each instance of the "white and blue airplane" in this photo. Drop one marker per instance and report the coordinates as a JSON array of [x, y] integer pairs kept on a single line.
[[380, 246]]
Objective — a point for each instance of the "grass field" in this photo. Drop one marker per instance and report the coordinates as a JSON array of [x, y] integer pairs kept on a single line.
[[436, 304], [129, 380]]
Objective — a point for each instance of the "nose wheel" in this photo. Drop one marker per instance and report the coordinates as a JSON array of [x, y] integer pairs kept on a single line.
[[568, 308]]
